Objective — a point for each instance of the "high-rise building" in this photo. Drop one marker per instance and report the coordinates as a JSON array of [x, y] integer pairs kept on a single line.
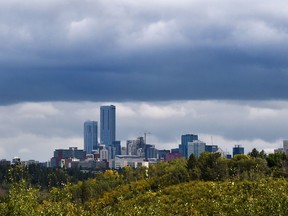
[[196, 147], [90, 136], [184, 143], [107, 125]]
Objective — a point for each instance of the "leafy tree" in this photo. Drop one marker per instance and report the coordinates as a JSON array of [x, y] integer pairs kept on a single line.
[[17, 173], [177, 171], [21, 200], [127, 174], [58, 178], [278, 163], [263, 155], [256, 154], [246, 167], [192, 162], [212, 166], [193, 167], [278, 159]]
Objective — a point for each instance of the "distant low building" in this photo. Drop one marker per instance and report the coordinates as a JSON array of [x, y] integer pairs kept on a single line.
[[172, 156], [284, 149], [162, 154], [175, 150], [61, 155], [27, 163], [121, 161], [279, 150], [150, 152], [238, 149], [104, 154], [211, 148], [5, 162]]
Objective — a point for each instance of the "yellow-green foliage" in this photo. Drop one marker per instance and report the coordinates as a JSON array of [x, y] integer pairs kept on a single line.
[[21, 200], [264, 197], [240, 187]]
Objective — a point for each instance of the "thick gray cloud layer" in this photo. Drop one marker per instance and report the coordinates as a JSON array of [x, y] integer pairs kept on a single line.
[[142, 50]]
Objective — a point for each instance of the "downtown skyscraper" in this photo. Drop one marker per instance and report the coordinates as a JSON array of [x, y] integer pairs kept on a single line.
[[90, 136], [185, 139], [107, 125]]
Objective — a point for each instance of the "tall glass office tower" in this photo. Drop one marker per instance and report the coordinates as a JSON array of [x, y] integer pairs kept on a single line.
[[90, 136], [183, 147], [107, 125]]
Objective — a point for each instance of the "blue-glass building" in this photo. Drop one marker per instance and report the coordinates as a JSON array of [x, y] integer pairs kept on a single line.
[[238, 149], [162, 153], [150, 151], [90, 136], [107, 125], [211, 148], [114, 149], [175, 150], [183, 147]]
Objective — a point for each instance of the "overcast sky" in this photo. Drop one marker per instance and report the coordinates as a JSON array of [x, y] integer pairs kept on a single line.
[[214, 68]]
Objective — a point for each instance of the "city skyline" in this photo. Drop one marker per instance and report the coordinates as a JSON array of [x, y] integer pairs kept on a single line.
[[171, 67], [50, 126]]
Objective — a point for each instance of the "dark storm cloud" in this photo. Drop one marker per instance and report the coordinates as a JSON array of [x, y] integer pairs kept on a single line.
[[126, 50]]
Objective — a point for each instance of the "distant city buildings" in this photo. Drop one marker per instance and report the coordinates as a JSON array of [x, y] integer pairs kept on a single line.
[[121, 161], [139, 148], [104, 154], [110, 153], [136, 147], [211, 148], [107, 125], [238, 149], [60, 155], [183, 147], [162, 154], [108, 130], [284, 149], [196, 147], [114, 149], [90, 136], [173, 156]]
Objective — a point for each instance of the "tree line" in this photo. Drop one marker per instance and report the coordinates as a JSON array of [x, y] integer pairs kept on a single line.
[[209, 185]]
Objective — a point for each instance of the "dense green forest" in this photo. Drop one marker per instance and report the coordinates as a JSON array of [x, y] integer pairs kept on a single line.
[[253, 184]]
